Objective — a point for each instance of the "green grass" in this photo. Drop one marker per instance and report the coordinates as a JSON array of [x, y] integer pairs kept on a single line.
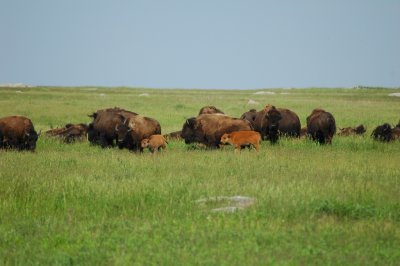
[[79, 204]]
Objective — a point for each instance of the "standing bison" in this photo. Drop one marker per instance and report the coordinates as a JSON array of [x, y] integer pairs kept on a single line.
[[288, 123], [321, 126], [102, 129], [209, 128], [267, 122], [134, 129], [17, 132]]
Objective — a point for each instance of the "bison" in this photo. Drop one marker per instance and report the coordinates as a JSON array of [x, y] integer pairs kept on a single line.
[[386, 133], [154, 143], [267, 123], [210, 110], [102, 129], [347, 131], [17, 132], [321, 126], [69, 133], [241, 139], [208, 129], [289, 124], [249, 115], [131, 131]]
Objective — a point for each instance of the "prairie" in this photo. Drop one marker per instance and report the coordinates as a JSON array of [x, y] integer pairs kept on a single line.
[[313, 205]]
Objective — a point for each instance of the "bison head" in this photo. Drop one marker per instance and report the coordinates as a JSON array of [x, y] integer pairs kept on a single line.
[[145, 143], [272, 117], [225, 138], [360, 130], [30, 140], [122, 130], [189, 130]]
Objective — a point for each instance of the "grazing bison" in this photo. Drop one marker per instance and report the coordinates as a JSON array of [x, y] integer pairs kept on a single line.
[[267, 123], [69, 133], [154, 143], [17, 132], [210, 110], [208, 129], [131, 131], [321, 126], [347, 131], [102, 129], [384, 133], [241, 139]]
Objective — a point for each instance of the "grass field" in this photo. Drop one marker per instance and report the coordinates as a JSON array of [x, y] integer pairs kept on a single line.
[[314, 205]]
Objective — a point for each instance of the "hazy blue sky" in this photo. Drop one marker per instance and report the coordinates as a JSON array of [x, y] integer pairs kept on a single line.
[[227, 44]]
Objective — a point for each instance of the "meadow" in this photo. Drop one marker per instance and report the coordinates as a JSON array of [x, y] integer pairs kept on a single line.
[[313, 205]]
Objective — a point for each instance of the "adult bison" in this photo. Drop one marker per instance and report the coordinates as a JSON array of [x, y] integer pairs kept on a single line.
[[133, 130], [386, 133], [209, 128], [267, 123], [321, 126], [102, 129], [249, 115], [210, 110], [17, 132], [288, 125]]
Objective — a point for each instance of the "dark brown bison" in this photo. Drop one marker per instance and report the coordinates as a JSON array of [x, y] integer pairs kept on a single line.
[[133, 130], [267, 123], [69, 133], [347, 131], [321, 126], [17, 132], [288, 125], [386, 133], [208, 129], [210, 110], [102, 129]]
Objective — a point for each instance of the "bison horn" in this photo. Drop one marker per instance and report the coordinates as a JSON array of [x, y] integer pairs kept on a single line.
[[130, 129], [116, 127]]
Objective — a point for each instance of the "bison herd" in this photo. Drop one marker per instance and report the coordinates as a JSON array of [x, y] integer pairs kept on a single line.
[[211, 128]]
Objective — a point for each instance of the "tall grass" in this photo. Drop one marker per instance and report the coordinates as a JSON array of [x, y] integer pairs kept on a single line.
[[80, 204]]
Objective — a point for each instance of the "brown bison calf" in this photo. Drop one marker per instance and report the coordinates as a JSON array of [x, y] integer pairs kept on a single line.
[[241, 139], [154, 143]]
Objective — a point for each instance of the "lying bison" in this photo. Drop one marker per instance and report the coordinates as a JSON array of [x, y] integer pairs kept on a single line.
[[102, 129], [348, 131], [69, 133], [134, 129], [17, 132], [208, 129], [321, 126], [386, 133]]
